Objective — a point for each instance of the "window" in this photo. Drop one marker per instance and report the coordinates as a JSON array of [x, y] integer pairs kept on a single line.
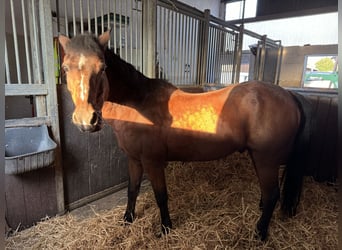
[[320, 71], [234, 9]]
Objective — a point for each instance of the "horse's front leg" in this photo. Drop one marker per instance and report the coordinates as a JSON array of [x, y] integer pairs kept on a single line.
[[155, 173], [135, 172]]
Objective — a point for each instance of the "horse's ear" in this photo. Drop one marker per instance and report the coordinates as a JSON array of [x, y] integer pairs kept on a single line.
[[63, 40], [104, 38]]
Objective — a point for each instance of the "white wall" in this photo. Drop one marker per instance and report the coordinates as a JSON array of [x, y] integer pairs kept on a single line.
[[213, 5], [292, 64]]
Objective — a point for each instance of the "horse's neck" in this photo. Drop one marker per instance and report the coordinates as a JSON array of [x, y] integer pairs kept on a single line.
[[126, 83]]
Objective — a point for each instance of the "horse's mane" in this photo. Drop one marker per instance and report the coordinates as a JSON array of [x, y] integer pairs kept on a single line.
[[127, 78]]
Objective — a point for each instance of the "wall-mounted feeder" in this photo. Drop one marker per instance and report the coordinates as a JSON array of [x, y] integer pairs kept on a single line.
[[27, 149]]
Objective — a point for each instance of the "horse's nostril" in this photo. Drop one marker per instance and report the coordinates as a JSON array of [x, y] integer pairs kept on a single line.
[[93, 120]]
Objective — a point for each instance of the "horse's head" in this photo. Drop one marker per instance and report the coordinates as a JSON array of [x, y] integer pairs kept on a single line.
[[84, 65]]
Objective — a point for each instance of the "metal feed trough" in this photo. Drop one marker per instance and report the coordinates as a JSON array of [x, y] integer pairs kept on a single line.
[[27, 149]]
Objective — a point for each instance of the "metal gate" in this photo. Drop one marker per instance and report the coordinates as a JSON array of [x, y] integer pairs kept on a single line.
[[30, 72], [193, 47], [124, 18]]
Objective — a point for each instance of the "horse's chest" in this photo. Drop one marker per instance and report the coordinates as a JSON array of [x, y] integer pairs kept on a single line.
[[135, 138]]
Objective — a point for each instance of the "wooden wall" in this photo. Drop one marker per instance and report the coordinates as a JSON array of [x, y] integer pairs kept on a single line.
[[93, 164], [29, 197]]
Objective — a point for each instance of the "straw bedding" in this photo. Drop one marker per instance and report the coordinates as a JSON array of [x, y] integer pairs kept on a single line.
[[213, 205]]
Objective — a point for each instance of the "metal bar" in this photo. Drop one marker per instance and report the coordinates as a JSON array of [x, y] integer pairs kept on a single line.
[[120, 31], [125, 26], [149, 29], [238, 52], [35, 44], [204, 50], [102, 17], [141, 38], [159, 42], [95, 18], [217, 51], [66, 18], [135, 18], [15, 41], [114, 28], [131, 33], [179, 54], [81, 16], [183, 48], [172, 39], [108, 23], [187, 64], [194, 31], [27, 53], [279, 58], [262, 59], [210, 60], [73, 17], [88, 15], [8, 76]]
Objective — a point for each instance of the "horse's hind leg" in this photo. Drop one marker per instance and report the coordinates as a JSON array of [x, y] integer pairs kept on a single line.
[[269, 185], [135, 172]]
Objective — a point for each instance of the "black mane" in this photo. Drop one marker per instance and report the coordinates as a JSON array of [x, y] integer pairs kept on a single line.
[[128, 85]]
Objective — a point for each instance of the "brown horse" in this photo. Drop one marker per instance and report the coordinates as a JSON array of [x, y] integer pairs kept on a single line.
[[156, 122]]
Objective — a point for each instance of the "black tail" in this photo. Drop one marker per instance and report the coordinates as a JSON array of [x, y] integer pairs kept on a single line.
[[295, 167]]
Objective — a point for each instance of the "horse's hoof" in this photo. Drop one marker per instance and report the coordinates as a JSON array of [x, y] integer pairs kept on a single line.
[[128, 218], [260, 233], [166, 230]]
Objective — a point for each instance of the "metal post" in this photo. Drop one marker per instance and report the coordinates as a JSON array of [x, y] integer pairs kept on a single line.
[[203, 46], [149, 23], [262, 59], [279, 58], [238, 54]]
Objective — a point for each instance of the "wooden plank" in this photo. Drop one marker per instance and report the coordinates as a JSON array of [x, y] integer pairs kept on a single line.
[[15, 201], [97, 161], [328, 155], [47, 188], [33, 205], [26, 89], [311, 161], [27, 122], [96, 196]]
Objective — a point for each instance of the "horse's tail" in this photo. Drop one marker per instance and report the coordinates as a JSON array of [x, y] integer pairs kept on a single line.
[[295, 167]]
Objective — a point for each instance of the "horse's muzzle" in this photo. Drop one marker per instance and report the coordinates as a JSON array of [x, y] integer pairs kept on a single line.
[[95, 123]]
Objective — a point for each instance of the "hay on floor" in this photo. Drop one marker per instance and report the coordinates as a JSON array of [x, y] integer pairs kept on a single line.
[[213, 205]]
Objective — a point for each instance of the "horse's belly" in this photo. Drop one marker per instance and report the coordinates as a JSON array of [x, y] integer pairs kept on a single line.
[[199, 148]]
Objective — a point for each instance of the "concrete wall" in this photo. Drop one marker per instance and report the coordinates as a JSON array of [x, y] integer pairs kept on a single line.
[[293, 59]]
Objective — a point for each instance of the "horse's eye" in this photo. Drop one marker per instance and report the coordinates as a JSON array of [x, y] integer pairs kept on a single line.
[[65, 68]]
